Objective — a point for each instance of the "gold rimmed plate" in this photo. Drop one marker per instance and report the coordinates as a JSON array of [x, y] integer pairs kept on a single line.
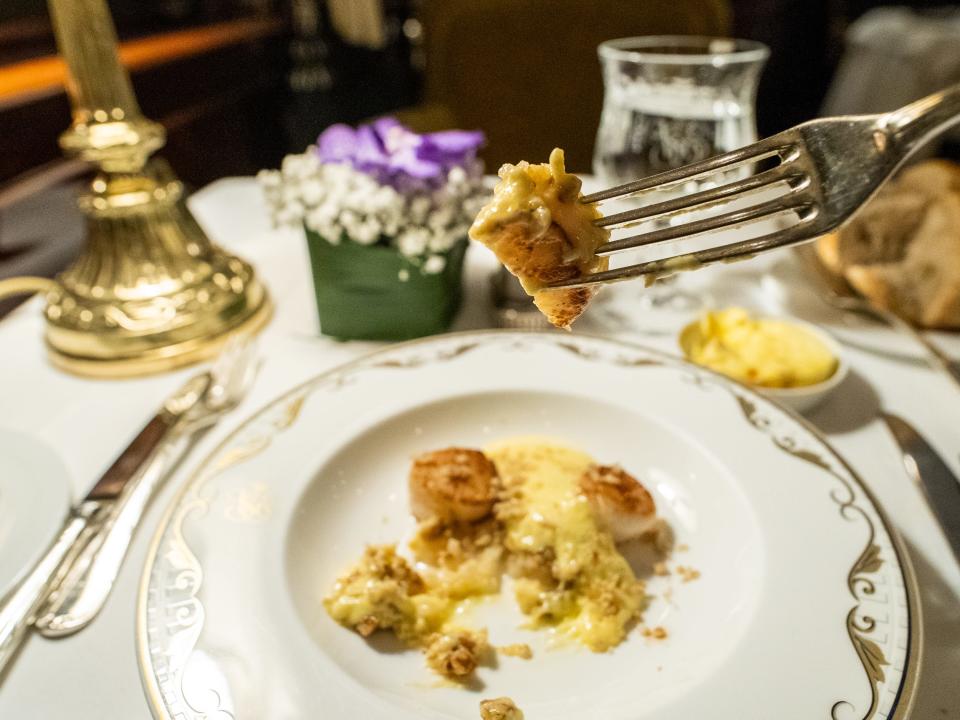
[[805, 605]]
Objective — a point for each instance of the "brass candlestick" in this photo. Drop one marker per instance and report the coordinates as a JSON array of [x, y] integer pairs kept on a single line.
[[150, 292]]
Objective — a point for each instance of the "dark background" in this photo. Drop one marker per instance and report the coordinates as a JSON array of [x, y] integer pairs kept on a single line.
[[242, 105], [805, 36]]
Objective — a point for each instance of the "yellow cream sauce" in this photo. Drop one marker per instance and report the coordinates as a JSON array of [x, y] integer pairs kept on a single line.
[[568, 572], [589, 592]]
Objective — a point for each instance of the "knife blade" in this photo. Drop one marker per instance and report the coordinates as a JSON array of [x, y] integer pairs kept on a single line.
[[938, 482], [22, 602]]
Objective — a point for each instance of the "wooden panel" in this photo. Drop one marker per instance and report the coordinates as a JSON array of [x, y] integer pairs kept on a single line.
[[220, 103], [23, 81]]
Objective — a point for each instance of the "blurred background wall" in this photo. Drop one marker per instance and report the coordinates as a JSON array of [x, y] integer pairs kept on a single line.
[[239, 83]]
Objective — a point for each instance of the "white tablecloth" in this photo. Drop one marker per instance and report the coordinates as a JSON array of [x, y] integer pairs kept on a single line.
[[94, 675]]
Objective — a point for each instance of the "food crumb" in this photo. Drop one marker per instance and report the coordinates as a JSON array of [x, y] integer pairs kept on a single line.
[[502, 708], [657, 633], [687, 573], [659, 668], [456, 653], [661, 568], [682, 547], [663, 537], [520, 650]]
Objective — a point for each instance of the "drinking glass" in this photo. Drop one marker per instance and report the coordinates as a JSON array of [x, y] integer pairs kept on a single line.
[[674, 100], [670, 101]]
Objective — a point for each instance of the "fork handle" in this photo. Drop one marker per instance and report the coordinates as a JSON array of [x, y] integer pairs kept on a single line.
[[915, 124], [19, 605], [85, 588]]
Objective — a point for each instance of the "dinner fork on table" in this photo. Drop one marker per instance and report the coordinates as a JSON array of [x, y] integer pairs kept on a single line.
[[823, 171], [69, 585], [84, 589]]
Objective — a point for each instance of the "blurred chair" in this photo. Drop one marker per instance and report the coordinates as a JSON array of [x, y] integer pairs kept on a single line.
[[893, 56], [526, 71]]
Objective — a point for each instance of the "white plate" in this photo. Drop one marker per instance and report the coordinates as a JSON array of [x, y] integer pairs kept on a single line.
[[803, 608], [34, 498]]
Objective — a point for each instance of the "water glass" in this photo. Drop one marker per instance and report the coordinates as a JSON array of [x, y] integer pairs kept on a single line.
[[673, 100], [670, 101]]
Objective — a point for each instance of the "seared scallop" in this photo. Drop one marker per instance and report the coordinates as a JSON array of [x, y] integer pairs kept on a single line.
[[454, 485], [621, 504]]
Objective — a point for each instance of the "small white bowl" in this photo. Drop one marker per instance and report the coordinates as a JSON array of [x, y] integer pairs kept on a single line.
[[806, 397]]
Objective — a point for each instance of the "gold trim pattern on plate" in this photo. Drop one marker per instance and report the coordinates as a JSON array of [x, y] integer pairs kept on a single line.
[[859, 624], [858, 580], [162, 672]]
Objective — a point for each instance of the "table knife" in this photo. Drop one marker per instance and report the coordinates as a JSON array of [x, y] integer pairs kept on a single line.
[[932, 474], [21, 603]]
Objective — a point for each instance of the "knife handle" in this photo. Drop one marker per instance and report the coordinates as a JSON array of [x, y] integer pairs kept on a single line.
[[112, 482], [85, 588], [19, 605]]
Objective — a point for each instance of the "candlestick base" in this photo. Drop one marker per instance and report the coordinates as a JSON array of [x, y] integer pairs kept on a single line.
[[150, 292]]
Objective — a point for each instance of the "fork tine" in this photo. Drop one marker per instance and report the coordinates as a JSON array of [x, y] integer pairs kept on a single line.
[[698, 227], [702, 200], [773, 145], [700, 258], [232, 366]]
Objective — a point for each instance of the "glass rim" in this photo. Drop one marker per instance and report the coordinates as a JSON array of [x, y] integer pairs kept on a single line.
[[632, 48]]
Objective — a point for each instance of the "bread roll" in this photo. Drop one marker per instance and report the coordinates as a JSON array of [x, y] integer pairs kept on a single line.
[[902, 251]]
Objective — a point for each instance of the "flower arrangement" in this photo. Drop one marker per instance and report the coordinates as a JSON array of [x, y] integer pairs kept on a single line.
[[381, 184], [386, 212]]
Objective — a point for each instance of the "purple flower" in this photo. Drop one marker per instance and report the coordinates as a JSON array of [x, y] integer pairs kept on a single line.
[[337, 143], [397, 156]]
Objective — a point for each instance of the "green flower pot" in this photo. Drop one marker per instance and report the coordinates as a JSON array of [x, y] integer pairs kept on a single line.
[[360, 295]]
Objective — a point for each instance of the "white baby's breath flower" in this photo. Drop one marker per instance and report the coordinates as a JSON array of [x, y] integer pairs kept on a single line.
[[349, 218], [316, 218], [311, 191], [434, 264], [419, 207], [471, 206], [291, 213], [440, 218], [299, 167], [333, 234], [367, 232], [460, 230], [269, 178], [385, 197], [442, 240], [413, 241], [336, 201], [457, 177]]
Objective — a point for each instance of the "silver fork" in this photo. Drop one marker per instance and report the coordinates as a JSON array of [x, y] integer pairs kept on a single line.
[[825, 170], [84, 588]]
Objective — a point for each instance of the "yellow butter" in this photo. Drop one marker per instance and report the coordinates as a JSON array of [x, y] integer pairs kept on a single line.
[[757, 351]]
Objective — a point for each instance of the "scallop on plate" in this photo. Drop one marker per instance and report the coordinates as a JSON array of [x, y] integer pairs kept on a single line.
[[784, 592]]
